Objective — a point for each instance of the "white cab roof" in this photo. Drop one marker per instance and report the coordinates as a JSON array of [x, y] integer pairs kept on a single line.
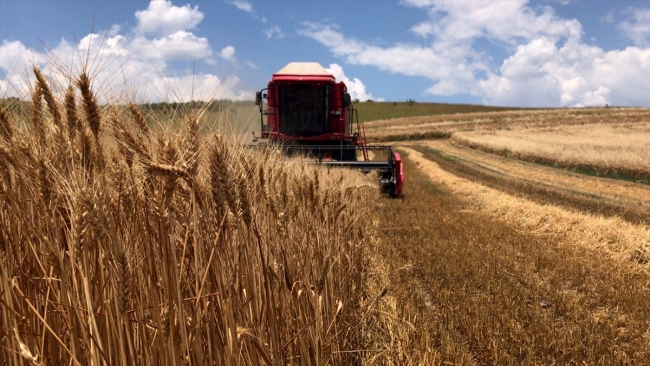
[[303, 68]]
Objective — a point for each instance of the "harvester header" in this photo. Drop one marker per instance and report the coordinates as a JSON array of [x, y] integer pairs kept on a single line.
[[306, 110]]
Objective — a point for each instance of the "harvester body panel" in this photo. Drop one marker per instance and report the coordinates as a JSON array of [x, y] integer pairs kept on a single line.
[[305, 103]]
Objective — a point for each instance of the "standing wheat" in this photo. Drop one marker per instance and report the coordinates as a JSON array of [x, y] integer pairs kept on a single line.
[[139, 118], [71, 113], [90, 104], [123, 280], [49, 97], [6, 126], [37, 114]]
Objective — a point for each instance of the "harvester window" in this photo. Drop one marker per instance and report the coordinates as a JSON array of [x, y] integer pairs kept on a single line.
[[302, 110]]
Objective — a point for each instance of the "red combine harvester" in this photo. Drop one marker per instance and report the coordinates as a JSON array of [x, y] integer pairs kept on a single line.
[[308, 112]]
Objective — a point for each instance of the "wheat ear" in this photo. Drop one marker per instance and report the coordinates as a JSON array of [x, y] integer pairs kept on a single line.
[[90, 104], [49, 97]]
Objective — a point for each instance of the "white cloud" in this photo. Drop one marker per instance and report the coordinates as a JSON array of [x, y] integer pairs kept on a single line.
[[163, 33], [114, 30], [274, 31], [15, 54], [356, 88], [402, 59], [502, 21], [251, 65], [247, 7], [228, 53], [199, 87], [162, 18], [548, 63], [181, 45], [243, 5], [638, 28], [541, 74], [435, 62], [127, 65], [608, 18]]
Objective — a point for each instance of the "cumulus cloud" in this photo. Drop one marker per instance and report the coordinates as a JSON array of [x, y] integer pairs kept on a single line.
[[138, 63], [199, 87], [13, 54], [638, 27], [177, 46], [356, 88], [435, 62], [540, 73], [506, 22], [405, 59], [228, 53], [15, 67], [163, 18], [163, 32], [548, 64]]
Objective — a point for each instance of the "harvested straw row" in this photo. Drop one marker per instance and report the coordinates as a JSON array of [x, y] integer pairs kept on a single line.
[[620, 239]]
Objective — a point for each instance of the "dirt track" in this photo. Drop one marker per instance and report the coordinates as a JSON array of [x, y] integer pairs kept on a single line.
[[484, 288]]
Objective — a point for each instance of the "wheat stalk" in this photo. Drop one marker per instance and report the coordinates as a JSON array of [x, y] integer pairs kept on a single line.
[[71, 113], [123, 280], [37, 114], [49, 97], [6, 126], [89, 104], [139, 118]]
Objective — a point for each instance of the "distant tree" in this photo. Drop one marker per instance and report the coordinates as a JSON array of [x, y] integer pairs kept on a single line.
[[356, 100], [410, 101], [370, 101], [10, 100]]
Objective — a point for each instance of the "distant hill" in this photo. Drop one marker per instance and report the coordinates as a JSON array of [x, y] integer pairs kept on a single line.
[[373, 111]]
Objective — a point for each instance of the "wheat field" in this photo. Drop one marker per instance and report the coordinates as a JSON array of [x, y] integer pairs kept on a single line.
[[609, 142], [622, 148], [129, 241], [130, 236]]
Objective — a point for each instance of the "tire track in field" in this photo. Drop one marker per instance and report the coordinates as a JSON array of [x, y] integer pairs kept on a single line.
[[488, 169], [485, 291]]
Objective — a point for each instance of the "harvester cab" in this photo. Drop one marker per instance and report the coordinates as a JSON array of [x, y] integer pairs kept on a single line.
[[305, 110]]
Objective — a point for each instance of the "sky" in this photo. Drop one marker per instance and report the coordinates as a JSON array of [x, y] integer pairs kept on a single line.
[[543, 53]]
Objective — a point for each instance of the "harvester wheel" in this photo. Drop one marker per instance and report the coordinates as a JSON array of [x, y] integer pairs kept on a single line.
[[392, 191]]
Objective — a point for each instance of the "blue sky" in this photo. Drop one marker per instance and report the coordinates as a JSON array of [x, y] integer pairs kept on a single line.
[[545, 53]]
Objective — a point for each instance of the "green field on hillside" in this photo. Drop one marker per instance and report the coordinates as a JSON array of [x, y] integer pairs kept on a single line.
[[373, 111]]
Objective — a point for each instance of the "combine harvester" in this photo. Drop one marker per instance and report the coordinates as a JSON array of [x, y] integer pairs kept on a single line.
[[307, 112]]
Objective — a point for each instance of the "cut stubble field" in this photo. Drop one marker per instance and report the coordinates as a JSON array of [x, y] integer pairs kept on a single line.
[[505, 259], [479, 286]]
